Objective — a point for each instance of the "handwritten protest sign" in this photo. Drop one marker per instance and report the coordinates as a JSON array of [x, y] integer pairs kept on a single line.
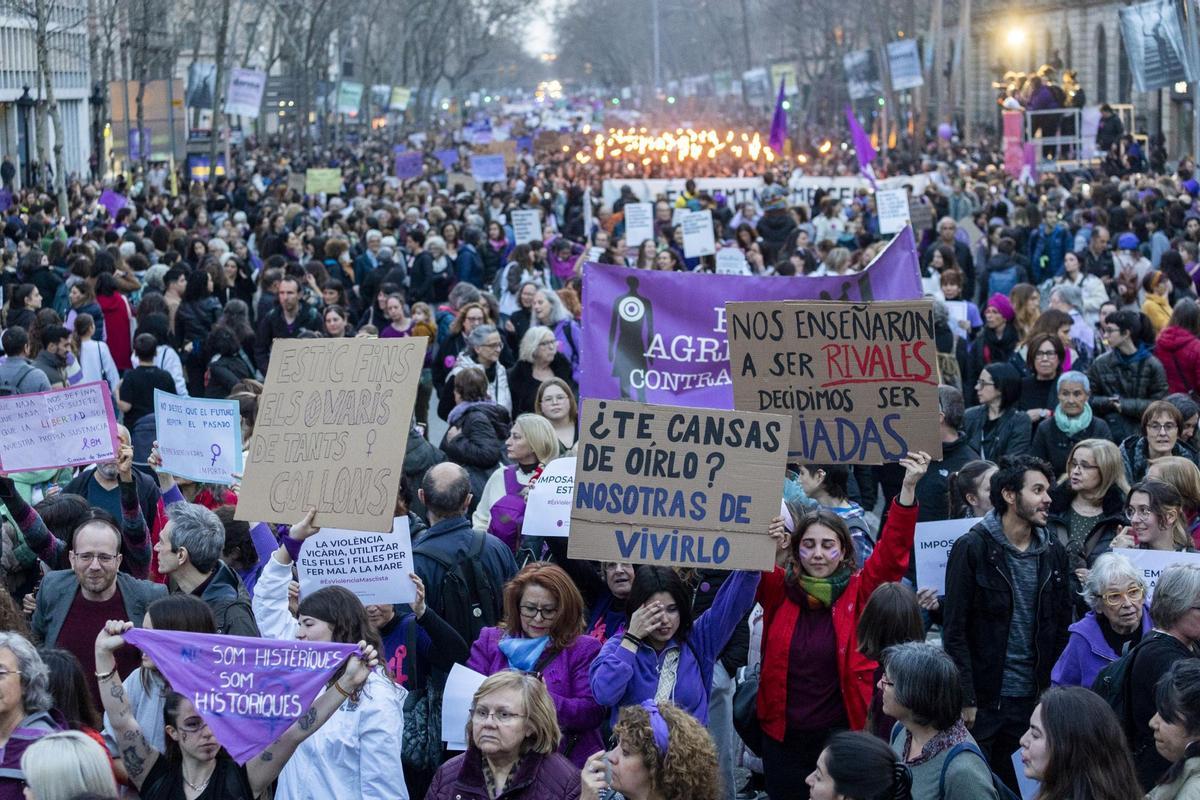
[[526, 225], [932, 544], [506, 148], [639, 223], [731, 261], [858, 379], [248, 690], [548, 510], [698, 237], [488, 168], [679, 486], [322, 180], [331, 432], [892, 205], [199, 439], [72, 427], [375, 566], [1151, 563]]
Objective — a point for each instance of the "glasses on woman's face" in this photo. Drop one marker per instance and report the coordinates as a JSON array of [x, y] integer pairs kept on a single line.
[[490, 346], [982, 384], [1133, 594], [533, 612], [502, 716], [1162, 427], [1082, 466], [1046, 355]]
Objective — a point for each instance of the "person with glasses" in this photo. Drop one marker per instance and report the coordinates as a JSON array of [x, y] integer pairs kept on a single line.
[[1071, 422], [73, 604], [538, 361], [1044, 359], [1185, 477], [484, 345], [25, 708], [542, 633], [1127, 378], [996, 427], [1115, 591], [512, 738], [1156, 520], [1161, 425]]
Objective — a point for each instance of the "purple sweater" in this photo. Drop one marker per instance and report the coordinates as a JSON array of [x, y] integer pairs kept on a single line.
[[566, 679], [623, 678], [1087, 653]]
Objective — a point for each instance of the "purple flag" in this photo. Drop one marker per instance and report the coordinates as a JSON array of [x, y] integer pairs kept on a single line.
[[659, 337], [778, 122], [410, 164], [248, 690], [862, 142], [448, 158], [113, 202]]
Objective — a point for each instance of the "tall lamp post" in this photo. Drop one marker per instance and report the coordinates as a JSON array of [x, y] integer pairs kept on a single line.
[[25, 105]]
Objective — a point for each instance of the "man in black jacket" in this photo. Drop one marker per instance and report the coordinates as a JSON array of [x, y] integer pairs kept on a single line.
[[1008, 605], [284, 321]]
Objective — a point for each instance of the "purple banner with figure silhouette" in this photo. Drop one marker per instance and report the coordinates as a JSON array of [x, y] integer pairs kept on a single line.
[[660, 337], [248, 691]]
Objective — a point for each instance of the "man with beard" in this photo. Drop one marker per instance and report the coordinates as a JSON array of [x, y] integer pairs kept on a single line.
[[74, 604], [285, 321], [1007, 609], [109, 485]]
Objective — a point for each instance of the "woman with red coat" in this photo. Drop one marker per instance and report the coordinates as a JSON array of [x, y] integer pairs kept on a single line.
[[118, 326], [1178, 348], [814, 681]]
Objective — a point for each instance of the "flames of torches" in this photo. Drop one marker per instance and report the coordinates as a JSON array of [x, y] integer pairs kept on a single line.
[[637, 145]]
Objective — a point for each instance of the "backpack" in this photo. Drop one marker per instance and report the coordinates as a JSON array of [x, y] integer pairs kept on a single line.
[[508, 513], [1002, 281], [1114, 685], [470, 602], [1002, 790], [948, 366], [13, 387]]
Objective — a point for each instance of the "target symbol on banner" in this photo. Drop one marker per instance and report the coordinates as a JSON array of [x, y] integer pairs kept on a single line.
[[631, 309]]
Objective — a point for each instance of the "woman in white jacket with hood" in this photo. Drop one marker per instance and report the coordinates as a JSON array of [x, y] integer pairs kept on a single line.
[[357, 754]]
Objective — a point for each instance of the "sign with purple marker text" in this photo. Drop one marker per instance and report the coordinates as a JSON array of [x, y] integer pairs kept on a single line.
[[375, 566], [689, 487], [198, 439], [72, 427], [858, 379], [248, 690]]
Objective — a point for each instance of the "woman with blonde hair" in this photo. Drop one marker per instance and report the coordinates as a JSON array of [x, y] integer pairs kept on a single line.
[[538, 360], [512, 735], [1181, 473], [62, 766], [1026, 302], [501, 510]]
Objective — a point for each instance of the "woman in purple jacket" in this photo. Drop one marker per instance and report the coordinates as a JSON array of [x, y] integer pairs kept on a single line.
[[1116, 592], [541, 633]]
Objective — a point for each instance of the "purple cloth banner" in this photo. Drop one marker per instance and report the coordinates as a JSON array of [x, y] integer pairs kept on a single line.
[[659, 337], [448, 158], [410, 164], [113, 202], [248, 690], [862, 142], [778, 122]]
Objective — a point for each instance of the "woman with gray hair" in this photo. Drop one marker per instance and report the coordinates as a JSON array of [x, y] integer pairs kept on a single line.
[[1175, 611], [1071, 422], [482, 350], [548, 310], [63, 766], [1115, 591], [921, 689], [539, 359], [25, 703]]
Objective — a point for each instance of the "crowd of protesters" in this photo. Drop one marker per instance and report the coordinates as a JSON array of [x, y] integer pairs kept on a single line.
[[1068, 337]]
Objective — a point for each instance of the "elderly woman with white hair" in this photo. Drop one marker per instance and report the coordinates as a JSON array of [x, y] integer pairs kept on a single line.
[[539, 359], [1116, 593], [66, 765], [25, 703], [548, 310], [1071, 423]]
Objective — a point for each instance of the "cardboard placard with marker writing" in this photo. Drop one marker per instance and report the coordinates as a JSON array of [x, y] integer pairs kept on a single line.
[[859, 380]]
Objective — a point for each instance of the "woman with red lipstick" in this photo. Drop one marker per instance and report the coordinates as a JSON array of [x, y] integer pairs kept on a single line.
[[541, 634]]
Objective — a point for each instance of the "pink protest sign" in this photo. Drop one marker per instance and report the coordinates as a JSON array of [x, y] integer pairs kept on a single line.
[[73, 427]]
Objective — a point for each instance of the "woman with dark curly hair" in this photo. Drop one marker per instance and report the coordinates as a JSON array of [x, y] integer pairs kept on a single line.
[[661, 752]]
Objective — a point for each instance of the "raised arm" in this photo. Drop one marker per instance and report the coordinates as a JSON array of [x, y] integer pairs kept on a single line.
[[40, 539], [136, 753]]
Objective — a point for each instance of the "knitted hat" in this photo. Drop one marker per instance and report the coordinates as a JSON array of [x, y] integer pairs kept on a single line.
[[1002, 306], [1127, 241], [774, 198]]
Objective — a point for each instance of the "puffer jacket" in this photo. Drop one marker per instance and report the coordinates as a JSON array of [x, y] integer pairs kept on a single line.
[[1137, 459], [1011, 436], [1137, 380], [1179, 352], [483, 428]]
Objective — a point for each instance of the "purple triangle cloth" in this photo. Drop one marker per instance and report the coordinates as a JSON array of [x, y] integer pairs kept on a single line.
[[778, 122], [862, 142]]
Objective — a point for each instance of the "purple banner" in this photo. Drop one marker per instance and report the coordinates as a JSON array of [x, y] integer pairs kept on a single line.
[[410, 164], [659, 337], [113, 202], [248, 690], [448, 158]]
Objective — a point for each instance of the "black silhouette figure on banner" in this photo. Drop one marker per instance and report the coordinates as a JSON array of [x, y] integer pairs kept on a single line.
[[629, 336], [864, 290]]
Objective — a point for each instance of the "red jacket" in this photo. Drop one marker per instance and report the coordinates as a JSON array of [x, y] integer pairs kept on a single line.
[[1179, 352], [855, 671]]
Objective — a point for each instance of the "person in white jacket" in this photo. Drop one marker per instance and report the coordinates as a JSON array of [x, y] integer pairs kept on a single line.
[[357, 754], [95, 359]]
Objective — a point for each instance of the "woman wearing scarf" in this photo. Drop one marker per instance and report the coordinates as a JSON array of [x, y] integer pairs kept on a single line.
[[995, 344], [1071, 423], [541, 633], [814, 680]]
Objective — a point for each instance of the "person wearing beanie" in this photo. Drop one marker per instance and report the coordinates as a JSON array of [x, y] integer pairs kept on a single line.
[[1130, 268], [995, 344]]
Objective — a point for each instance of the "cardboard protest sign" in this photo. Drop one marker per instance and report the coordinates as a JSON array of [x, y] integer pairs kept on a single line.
[[639, 223], [296, 181], [72, 427], [199, 439], [400, 97], [249, 691], [526, 225], [375, 566], [732, 261], [698, 236], [463, 180], [679, 486], [858, 379], [410, 164], [506, 148], [322, 180], [548, 509], [488, 168], [932, 545], [892, 205], [1151, 563], [331, 432]]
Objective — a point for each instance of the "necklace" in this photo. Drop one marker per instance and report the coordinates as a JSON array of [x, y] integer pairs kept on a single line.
[[194, 787]]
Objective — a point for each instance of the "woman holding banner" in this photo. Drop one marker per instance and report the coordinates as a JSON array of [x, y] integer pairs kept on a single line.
[[194, 760], [814, 680]]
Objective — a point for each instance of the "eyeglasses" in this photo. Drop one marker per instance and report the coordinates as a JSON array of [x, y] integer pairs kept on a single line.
[[481, 713], [490, 346], [4, 673], [548, 343], [104, 558], [886, 681], [531, 612], [1162, 427], [1045, 354], [983, 384], [1144, 512], [1074, 465], [1133, 594]]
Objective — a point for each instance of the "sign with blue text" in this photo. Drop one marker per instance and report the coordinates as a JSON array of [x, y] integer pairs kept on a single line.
[[690, 487], [199, 439]]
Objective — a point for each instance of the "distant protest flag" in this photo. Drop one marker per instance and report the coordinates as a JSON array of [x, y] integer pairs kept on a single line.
[[779, 121]]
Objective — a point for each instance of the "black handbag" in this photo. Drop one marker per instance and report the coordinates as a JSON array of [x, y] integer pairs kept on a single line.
[[745, 709]]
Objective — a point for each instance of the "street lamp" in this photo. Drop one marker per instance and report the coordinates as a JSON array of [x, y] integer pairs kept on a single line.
[[25, 104]]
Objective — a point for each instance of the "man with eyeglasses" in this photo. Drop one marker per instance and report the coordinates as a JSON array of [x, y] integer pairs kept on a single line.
[[74, 604], [1127, 378]]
